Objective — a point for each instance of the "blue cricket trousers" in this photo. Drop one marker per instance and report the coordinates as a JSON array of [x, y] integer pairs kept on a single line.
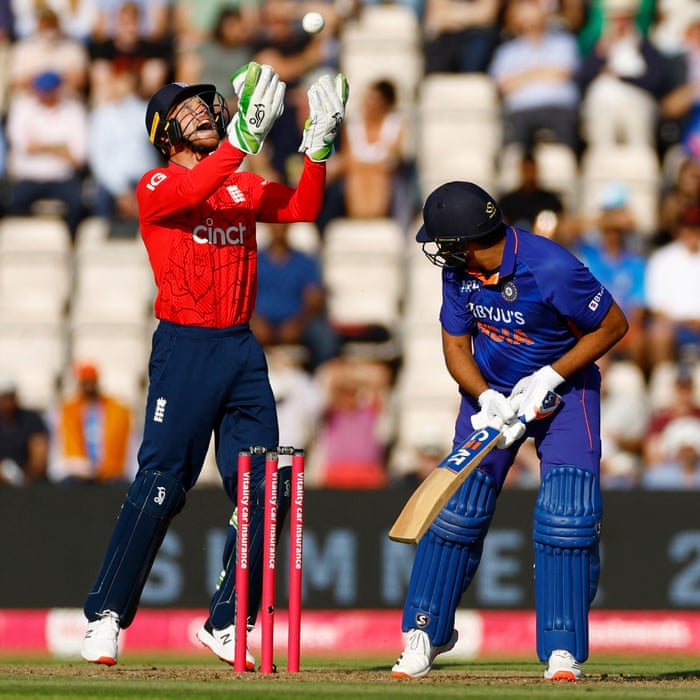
[[203, 380]]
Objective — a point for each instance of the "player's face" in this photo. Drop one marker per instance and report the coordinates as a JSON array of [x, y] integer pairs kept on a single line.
[[196, 122]]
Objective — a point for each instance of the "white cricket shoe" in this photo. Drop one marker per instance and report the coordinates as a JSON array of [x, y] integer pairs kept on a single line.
[[100, 645], [562, 666], [223, 644], [418, 656]]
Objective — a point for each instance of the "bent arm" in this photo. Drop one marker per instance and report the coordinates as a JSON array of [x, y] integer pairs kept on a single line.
[[461, 364], [280, 203], [592, 346]]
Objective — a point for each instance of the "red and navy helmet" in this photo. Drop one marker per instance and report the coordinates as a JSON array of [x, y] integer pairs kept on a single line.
[[163, 131]]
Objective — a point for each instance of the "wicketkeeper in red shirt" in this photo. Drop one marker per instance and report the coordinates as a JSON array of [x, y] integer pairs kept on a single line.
[[207, 372]]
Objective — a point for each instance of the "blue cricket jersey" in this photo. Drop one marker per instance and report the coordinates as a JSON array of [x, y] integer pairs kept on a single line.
[[527, 313]]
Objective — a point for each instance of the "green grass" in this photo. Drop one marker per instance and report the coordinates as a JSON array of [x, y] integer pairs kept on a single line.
[[166, 678]]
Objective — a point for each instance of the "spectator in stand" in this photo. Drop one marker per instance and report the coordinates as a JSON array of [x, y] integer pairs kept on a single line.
[[154, 19], [205, 58], [625, 415], [682, 104], [119, 153], [24, 439], [49, 49], [673, 291], [459, 36], [679, 467], [609, 252], [282, 43], [375, 158], [523, 206], [298, 397], [351, 446], [77, 17], [682, 404], [622, 81], [47, 140], [128, 48], [597, 20], [684, 192], [195, 22], [535, 75], [290, 306], [93, 439]]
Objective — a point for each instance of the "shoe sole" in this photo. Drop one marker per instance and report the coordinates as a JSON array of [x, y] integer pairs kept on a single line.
[[248, 666], [104, 660], [563, 676], [401, 674]]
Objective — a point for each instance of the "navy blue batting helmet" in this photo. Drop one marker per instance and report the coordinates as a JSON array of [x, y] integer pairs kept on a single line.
[[459, 210], [454, 213]]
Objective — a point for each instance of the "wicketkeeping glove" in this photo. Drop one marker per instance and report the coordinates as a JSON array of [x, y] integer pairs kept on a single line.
[[531, 395], [497, 412], [260, 103], [327, 100]]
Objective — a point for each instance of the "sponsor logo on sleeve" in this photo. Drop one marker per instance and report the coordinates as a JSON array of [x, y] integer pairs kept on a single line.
[[594, 303]]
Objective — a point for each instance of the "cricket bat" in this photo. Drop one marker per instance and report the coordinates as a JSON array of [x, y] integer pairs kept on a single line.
[[441, 484]]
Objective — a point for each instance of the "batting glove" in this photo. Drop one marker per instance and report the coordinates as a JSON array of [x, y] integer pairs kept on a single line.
[[327, 100], [533, 396], [260, 96], [497, 412]]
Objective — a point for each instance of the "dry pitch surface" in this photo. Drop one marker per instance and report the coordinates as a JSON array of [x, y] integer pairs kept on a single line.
[[682, 675]]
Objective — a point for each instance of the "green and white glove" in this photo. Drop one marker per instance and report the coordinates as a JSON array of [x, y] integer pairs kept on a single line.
[[327, 100], [260, 103]]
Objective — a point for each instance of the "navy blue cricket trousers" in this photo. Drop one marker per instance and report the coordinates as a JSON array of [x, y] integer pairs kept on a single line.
[[203, 380]]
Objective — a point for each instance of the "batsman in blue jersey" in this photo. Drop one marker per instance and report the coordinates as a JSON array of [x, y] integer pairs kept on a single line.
[[521, 317]]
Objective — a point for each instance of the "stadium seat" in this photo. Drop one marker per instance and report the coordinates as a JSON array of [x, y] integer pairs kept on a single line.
[[557, 168], [383, 42], [459, 130], [34, 354], [637, 167], [36, 267], [363, 268], [113, 281], [120, 351]]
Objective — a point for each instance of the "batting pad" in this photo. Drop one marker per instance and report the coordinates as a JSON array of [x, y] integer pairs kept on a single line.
[[151, 503], [447, 558], [567, 563], [223, 607]]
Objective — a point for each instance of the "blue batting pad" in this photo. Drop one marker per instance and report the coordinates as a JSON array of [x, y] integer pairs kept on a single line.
[[447, 558], [567, 563], [151, 502]]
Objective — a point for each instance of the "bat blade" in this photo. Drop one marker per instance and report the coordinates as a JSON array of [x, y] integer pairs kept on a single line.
[[440, 485]]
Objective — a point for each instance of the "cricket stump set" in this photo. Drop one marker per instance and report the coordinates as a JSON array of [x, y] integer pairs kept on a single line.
[[296, 540]]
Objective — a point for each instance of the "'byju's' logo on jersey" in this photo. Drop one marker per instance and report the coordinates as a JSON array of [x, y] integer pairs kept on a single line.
[[595, 302], [207, 232], [236, 195]]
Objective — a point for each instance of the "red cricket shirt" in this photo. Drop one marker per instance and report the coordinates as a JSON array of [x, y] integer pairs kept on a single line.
[[198, 226]]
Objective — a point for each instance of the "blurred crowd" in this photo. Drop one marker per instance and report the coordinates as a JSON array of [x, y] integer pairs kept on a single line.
[[582, 74]]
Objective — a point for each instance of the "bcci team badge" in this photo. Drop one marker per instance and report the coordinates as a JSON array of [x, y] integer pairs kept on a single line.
[[509, 292]]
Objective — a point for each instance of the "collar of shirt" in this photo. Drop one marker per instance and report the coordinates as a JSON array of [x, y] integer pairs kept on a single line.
[[507, 267]]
